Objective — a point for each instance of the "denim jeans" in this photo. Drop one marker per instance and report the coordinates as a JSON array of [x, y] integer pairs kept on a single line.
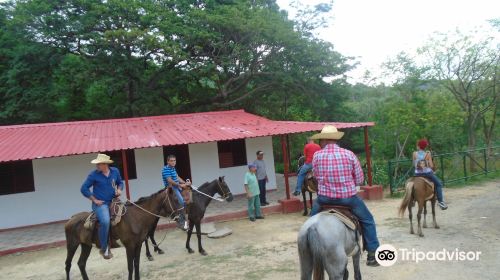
[[254, 207], [437, 183], [302, 175], [262, 189], [359, 209], [178, 193], [102, 213]]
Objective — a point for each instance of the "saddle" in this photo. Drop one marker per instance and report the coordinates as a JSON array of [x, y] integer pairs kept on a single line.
[[346, 216], [116, 210], [428, 183]]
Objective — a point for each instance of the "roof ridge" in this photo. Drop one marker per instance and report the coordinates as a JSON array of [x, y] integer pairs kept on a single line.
[[33, 125]]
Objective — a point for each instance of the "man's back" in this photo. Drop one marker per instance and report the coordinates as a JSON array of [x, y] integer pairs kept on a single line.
[[338, 171], [309, 150]]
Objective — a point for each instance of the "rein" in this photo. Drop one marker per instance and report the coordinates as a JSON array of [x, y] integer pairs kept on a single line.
[[156, 215], [226, 195]]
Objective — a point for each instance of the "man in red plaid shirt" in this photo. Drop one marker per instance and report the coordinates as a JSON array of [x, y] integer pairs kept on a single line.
[[338, 172]]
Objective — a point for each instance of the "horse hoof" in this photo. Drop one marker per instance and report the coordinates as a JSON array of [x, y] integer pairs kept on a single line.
[[424, 226], [421, 235], [190, 250], [304, 214], [150, 258], [436, 227], [412, 232], [203, 253], [160, 252]]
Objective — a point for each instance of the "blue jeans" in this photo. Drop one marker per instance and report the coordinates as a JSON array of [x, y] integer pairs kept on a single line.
[[177, 191], [254, 207], [302, 175], [102, 213], [262, 189], [437, 183], [359, 209]]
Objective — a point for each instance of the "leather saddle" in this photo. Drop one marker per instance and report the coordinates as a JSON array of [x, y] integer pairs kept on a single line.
[[345, 215], [91, 224], [310, 182], [428, 183]]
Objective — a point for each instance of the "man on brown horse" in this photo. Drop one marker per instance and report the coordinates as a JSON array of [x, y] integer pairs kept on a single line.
[[106, 184], [172, 179], [309, 149], [424, 167], [338, 172]]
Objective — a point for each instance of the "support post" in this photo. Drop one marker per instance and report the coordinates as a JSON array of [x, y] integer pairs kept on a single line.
[[285, 165], [125, 173], [368, 158]]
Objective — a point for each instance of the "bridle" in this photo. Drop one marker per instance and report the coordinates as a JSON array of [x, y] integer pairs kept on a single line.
[[166, 199], [225, 194]]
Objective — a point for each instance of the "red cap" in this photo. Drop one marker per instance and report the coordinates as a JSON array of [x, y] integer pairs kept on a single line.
[[422, 144]]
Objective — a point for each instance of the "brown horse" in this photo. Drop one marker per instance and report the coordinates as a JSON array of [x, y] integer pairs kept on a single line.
[[419, 190], [309, 185], [131, 230]]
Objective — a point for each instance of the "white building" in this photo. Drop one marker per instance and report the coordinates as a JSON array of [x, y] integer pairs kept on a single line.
[[42, 166]]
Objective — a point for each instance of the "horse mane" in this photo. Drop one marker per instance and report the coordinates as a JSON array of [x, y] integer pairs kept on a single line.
[[146, 198]]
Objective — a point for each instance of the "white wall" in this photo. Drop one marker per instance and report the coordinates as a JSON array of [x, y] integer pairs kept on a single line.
[[204, 160], [58, 180]]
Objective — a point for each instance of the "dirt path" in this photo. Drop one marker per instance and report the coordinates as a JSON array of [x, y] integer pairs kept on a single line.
[[267, 249]]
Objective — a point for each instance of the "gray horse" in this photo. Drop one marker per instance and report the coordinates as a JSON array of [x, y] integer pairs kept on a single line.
[[325, 243]]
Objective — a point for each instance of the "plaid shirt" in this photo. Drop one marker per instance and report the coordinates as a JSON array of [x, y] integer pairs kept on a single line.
[[338, 172]]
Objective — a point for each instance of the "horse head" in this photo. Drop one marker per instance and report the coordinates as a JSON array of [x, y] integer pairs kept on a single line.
[[223, 190]]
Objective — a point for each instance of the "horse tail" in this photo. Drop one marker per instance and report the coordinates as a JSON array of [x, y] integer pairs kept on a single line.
[[311, 254], [407, 198]]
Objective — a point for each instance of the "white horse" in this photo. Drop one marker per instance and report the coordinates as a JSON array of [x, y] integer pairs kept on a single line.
[[325, 243]]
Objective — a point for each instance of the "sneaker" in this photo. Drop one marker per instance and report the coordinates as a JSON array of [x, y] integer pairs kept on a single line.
[[442, 205], [252, 219], [259, 217], [296, 193], [370, 260]]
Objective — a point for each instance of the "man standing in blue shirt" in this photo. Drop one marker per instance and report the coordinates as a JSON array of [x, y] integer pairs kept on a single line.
[[106, 183], [170, 178]]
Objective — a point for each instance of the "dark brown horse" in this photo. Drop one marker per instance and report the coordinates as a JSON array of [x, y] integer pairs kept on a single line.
[[201, 200], [419, 190], [309, 185], [131, 230]]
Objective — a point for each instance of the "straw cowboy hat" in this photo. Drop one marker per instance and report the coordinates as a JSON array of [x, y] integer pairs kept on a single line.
[[102, 158], [328, 132]]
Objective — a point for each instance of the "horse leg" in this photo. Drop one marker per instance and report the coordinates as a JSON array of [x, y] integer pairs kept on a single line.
[[355, 261], [336, 269], [411, 218], [190, 231], [305, 257], [304, 201], [198, 235], [82, 261], [311, 199], [137, 261], [419, 216], [71, 247], [130, 261], [152, 237], [148, 254], [433, 205], [425, 215], [346, 273]]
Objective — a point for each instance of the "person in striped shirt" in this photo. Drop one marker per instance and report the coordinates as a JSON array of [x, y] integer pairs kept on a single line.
[[171, 179], [338, 172]]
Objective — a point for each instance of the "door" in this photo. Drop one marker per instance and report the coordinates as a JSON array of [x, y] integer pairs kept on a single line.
[[181, 152]]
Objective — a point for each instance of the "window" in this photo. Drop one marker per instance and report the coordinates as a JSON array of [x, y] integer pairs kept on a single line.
[[16, 177], [116, 156], [232, 153]]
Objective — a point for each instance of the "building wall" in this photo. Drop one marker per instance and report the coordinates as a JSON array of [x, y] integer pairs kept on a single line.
[[205, 164], [57, 181]]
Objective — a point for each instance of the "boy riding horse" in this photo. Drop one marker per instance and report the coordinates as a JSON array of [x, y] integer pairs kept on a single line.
[[338, 172]]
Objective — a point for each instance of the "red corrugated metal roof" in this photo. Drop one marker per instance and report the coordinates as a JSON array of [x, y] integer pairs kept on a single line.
[[31, 141]]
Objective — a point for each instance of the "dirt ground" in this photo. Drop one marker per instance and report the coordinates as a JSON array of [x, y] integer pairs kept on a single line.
[[267, 249]]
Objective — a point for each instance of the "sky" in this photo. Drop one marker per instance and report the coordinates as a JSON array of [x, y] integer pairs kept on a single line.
[[375, 30]]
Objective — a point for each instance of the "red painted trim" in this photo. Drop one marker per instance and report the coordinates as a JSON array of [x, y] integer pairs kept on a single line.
[[33, 248], [125, 173], [285, 165], [368, 158]]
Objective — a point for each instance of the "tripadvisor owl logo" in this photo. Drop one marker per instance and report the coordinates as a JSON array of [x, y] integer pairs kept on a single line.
[[386, 255]]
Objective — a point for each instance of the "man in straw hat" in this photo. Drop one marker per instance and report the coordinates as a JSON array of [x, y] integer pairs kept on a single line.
[[338, 172], [106, 184]]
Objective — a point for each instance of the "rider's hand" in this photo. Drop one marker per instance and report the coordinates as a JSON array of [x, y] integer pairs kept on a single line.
[[249, 195], [98, 202], [118, 192]]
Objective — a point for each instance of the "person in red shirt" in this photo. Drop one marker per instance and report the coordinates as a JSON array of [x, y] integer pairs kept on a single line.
[[309, 149]]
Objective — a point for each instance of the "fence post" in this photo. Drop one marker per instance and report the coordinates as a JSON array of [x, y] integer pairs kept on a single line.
[[465, 166], [485, 161], [389, 172]]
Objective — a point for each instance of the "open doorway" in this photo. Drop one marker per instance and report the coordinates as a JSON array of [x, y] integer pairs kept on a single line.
[[181, 152]]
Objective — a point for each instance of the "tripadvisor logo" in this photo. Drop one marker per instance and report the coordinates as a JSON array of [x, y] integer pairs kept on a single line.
[[387, 255]]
